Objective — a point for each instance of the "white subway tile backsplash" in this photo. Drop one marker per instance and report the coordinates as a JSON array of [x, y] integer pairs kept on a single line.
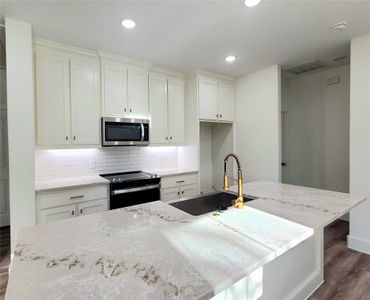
[[50, 164]]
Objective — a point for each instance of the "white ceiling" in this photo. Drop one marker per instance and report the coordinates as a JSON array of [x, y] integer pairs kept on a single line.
[[189, 35]]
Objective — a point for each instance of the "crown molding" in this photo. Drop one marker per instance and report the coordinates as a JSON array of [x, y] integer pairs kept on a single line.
[[167, 72], [64, 47], [124, 59], [213, 75]]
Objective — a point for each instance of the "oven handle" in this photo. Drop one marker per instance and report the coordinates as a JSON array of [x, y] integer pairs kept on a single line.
[[138, 189]]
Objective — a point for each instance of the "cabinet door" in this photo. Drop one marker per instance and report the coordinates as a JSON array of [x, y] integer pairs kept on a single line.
[[114, 90], [226, 102], [158, 109], [4, 181], [85, 102], [57, 213], [170, 194], [176, 111], [52, 99], [188, 190], [138, 102], [2, 87], [91, 207], [208, 100]]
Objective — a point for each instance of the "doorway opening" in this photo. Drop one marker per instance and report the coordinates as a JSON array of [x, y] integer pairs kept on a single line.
[[315, 128]]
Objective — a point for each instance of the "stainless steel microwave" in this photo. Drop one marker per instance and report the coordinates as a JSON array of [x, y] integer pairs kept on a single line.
[[124, 132]]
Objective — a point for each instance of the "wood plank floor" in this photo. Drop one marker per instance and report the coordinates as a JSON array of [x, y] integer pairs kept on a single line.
[[4, 259], [347, 272]]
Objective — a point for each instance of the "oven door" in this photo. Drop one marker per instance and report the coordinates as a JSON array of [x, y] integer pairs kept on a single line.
[[124, 132], [133, 196]]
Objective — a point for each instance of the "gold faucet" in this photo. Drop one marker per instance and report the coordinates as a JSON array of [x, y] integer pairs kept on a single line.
[[238, 202]]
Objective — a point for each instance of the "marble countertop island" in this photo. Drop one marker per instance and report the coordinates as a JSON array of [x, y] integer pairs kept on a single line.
[[149, 251], [155, 251]]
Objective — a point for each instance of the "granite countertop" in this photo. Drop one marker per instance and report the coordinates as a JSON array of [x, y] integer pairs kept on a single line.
[[311, 207], [72, 182], [69, 182], [149, 251], [155, 251]]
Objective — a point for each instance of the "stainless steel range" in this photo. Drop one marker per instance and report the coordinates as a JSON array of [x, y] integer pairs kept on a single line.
[[131, 188]]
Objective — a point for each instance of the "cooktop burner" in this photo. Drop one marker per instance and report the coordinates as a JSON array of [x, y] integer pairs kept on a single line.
[[128, 176]]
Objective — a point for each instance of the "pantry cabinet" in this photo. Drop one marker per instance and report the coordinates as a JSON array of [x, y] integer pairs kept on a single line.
[[216, 100], [125, 90], [167, 106], [67, 98]]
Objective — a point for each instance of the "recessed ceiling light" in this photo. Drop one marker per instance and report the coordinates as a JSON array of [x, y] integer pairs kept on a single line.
[[251, 3], [230, 58], [129, 24], [339, 26]]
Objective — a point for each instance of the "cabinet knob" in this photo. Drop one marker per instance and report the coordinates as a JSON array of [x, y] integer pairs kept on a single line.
[[182, 192], [178, 193], [170, 137], [220, 116], [81, 211], [166, 137], [130, 109], [74, 137], [125, 109], [66, 138], [217, 116], [73, 212]]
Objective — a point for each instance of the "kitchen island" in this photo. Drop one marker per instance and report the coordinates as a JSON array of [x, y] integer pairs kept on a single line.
[[155, 251]]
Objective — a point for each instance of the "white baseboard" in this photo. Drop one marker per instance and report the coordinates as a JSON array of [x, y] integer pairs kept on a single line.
[[358, 244], [307, 287]]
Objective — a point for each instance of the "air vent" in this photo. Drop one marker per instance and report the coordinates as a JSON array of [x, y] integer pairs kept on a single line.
[[306, 67]]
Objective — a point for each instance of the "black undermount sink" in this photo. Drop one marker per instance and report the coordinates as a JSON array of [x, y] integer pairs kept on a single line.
[[207, 203]]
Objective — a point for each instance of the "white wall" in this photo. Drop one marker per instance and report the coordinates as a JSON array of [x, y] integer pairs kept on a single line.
[[54, 164], [317, 131], [21, 125], [359, 238], [258, 124]]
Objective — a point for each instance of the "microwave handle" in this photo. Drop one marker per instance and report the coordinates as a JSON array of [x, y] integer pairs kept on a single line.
[[142, 131]]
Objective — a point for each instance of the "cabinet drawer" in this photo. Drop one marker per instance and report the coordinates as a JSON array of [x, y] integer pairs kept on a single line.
[[71, 196], [91, 207], [179, 180], [188, 190]]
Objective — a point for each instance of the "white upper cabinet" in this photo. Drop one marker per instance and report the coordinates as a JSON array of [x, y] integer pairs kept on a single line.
[[226, 98], [114, 90], [216, 100], [158, 109], [208, 105], [176, 110], [67, 97], [53, 99], [138, 102], [85, 101], [167, 101], [125, 90]]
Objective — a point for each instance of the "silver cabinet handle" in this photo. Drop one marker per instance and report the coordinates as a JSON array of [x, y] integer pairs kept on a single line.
[[73, 212], [66, 138], [180, 181], [76, 197], [81, 211], [220, 116]]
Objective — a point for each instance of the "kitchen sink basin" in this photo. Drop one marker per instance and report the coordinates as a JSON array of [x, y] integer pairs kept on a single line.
[[207, 203]]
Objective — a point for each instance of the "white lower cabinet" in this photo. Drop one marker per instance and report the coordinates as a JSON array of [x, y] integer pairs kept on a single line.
[[179, 186], [57, 213], [71, 202]]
